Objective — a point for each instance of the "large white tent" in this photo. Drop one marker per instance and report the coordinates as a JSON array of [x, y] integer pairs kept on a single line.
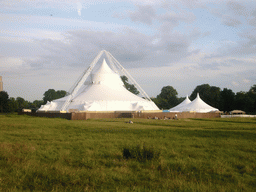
[[100, 89], [197, 105], [181, 106]]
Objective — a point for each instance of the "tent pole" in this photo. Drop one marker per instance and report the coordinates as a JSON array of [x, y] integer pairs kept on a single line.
[[144, 94], [81, 81]]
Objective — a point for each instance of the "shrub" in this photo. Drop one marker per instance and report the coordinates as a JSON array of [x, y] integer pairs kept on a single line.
[[141, 153]]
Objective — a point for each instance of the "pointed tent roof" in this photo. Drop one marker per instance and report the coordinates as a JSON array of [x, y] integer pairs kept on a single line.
[[105, 75], [199, 106], [181, 106], [104, 91], [106, 85]]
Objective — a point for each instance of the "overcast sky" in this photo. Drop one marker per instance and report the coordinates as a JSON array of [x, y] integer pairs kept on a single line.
[[47, 44]]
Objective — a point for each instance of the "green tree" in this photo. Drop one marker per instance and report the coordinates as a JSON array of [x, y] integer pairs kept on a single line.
[[253, 89], [243, 101], [60, 94], [51, 94], [37, 104], [227, 100], [4, 99], [22, 104], [252, 96], [209, 94], [13, 105], [167, 98], [128, 86]]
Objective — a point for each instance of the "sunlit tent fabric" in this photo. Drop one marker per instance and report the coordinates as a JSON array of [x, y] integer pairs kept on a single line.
[[199, 106], [102, 91], [181, 106]]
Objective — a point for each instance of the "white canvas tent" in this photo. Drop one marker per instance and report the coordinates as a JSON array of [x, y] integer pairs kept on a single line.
[[181, 106], [199, 106], [101, 89]]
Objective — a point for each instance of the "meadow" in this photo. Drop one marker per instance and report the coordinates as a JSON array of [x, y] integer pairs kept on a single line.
[[43, 154]]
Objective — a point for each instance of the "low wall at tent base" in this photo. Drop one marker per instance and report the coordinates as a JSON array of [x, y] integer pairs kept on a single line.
[[49, 115], [101, 115]]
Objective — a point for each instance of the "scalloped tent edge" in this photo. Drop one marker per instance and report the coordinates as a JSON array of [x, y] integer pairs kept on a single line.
[[197, 105]]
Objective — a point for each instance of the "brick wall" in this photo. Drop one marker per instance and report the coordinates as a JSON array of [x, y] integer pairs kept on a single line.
[[100, 115]]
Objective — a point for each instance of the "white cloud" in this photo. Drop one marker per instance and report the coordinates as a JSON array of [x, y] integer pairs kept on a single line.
[[10, 62], [246, 81], [235, 83], [79, 8]]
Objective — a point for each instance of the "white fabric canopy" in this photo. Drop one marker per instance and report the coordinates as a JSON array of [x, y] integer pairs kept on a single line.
[[103, 91], [197, 105], [181, 106]]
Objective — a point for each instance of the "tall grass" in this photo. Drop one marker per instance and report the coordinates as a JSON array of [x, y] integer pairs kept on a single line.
[[141, 153], [40, 154]]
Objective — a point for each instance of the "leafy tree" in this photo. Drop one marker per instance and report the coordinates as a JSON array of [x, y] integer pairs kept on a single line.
[[4, 99], [167, 98], [51, 94], [37, 104], [13, 105], [209, 94], [61, 93], [128, 86], [243, 101], [22, 103], [180, 99], [160, 102], [253, 89], [252, 96], [227, 100]]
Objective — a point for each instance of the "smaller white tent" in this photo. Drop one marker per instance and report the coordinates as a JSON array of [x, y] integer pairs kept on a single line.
[[199, 106], [181, 106]]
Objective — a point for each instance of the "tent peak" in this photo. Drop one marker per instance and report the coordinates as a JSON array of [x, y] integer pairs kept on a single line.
[[104, 68]]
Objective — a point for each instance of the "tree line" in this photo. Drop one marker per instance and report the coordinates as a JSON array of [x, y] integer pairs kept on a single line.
[[17, 104], [225, 100]]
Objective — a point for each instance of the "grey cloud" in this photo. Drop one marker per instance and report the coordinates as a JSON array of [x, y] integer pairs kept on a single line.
[[174, 17], [234, 13], [131, 49], [144, 14], [245, 47], [16, 48], [237, 8], [230, 21], [242, 48], [147, 13], [249, 74], [252, 21], [211, 64], [170, 20]]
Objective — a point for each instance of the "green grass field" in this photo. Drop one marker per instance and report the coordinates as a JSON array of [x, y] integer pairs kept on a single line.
[[41, 154]]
